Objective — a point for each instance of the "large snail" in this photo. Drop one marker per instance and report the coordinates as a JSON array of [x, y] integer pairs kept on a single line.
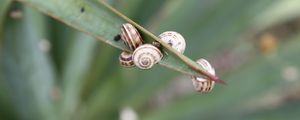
[[132, 39], [200, 83], [145, 56], [174, 39], [131, 36]]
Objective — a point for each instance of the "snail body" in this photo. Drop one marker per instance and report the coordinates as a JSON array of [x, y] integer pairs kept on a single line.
[[200, 83], [131, 36], [174, 39], [125, 59], [145, 56]]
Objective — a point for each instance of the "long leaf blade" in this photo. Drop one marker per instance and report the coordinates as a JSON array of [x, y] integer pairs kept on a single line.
[[28, 70], [103, 22]]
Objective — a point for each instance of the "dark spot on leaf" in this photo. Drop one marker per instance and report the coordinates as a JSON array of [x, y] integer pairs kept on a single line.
[[117, 37], [82, 10]]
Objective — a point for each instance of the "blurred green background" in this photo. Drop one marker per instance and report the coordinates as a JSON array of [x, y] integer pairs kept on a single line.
[[51, 71]]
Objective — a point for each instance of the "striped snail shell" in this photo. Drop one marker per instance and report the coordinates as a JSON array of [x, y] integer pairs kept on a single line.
[[174, 39], [145, 56], [125, 59], [131, 36], [202, 84]]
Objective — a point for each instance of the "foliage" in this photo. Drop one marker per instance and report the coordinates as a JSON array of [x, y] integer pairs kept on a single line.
[[51, 71]]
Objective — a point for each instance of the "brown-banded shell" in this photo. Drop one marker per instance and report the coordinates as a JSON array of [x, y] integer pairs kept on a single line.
[[201, 83], [131, 36], [174, 39], [125, 59], [145, 56]]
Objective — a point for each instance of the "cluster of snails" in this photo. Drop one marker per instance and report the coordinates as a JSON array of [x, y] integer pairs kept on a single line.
[[144, 56]]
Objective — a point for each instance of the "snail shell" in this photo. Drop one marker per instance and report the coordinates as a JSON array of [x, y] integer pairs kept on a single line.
[[125, 59], [174, 39], [131, 36], [145, 56], [201, 84]]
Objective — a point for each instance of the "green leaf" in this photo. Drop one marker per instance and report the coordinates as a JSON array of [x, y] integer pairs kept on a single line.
[[105, 100], [251, 82], [61, 38], [103, 22], [102, 67], [27, 68], [6, 106], [75, 68], [289, 110], [4, 4], [278, 12], [206, 39], [207, 27]]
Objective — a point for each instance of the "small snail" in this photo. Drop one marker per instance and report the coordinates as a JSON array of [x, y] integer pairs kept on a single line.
[[145, 56], [131, 36], [125, 59], [174, 39], [201, 84]]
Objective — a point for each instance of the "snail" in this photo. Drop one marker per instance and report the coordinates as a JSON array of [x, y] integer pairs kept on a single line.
[[125, 59], [131, 36], [174, 39], [145, 56], [201, 84]]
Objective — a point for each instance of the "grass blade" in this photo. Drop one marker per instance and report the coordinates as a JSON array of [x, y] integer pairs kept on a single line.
[[103, 22], [27, 69], [4, 4]]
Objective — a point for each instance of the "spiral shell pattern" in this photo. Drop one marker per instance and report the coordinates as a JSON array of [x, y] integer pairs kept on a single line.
[[201, 84], [131, 36], [145, 56], [174, 39], [125, 59]]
